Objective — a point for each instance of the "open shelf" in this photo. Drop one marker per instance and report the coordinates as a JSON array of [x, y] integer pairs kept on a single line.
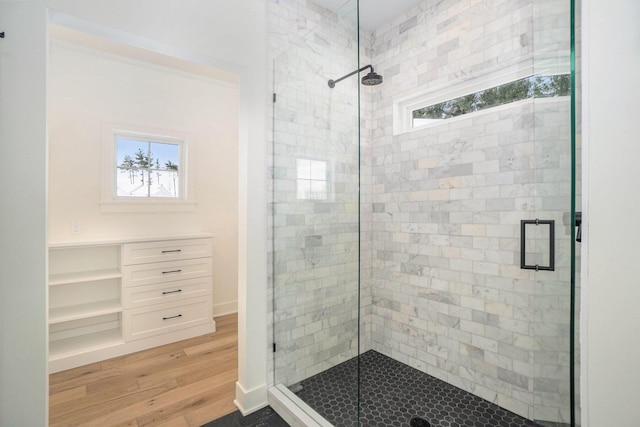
[[86, 284], [84, 343], [84, 276], [83, 311]]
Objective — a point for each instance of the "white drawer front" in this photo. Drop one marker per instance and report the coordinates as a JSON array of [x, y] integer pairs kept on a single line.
[[166, 250], [147, 274], [140, 296], [163, 318]]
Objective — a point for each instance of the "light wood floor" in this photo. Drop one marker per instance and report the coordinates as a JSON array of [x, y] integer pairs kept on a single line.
[[187, 383]]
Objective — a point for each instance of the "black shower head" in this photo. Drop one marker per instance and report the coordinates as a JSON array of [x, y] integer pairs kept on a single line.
[[370, 79]]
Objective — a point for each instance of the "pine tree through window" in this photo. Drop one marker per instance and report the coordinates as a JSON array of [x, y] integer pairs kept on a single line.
[[148, 168], [528, 87]]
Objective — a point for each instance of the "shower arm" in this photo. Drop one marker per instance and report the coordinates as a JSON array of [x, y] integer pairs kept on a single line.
[[333, 82]]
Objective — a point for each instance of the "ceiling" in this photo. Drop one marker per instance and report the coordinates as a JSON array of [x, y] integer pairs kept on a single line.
[[373, 13]]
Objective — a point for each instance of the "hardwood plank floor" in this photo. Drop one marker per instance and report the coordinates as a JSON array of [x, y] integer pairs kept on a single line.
[[183, 384]]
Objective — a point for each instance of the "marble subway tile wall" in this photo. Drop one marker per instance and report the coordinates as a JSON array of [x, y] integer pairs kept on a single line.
[[315, 235], [449, 296], [551, 32]]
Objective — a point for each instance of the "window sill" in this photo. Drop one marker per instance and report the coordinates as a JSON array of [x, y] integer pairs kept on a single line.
[[146, 206]]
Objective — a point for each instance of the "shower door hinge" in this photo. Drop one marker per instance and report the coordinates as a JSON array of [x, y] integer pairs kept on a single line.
[[274, 97], [274, 347]]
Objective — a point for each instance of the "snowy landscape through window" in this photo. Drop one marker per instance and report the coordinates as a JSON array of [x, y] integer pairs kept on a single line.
[[147, 168]]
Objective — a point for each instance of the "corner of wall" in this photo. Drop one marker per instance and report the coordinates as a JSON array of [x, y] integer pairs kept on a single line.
[[249, 401]]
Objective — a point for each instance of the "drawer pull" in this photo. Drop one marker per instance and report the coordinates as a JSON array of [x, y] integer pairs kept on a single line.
[[171, 317], [172, 250], [171, 292], [172, 271]]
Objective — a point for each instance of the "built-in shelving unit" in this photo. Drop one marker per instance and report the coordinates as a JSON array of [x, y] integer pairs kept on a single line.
[[108, 298]]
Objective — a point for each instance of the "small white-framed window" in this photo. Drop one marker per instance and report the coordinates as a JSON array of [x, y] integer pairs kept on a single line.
[[312, 179], [148, 167]]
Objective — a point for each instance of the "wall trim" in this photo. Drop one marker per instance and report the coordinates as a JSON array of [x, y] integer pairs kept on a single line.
[[249, 401], [583, 402], [225, 308]]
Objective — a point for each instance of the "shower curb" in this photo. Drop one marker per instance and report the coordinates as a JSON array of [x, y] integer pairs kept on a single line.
[[293, 410]]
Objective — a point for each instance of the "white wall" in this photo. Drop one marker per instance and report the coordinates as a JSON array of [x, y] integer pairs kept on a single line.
[[90, 89], [23, 380], [611, 291], [221, 33]]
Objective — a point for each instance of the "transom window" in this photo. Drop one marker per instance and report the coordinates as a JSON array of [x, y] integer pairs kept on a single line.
[[148, 167], [528, 87]]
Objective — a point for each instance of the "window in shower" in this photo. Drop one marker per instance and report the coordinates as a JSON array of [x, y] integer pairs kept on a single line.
[[528, 87], [311, 179]]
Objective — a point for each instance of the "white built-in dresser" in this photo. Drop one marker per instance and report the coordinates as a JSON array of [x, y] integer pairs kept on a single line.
[[109, 298]]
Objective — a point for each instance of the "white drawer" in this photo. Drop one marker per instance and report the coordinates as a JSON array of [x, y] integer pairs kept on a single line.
[[166, 250], [158, 319], [140, 296], [161, 272]]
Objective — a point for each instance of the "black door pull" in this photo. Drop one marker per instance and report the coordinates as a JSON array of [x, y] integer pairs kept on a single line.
[[579, 225]]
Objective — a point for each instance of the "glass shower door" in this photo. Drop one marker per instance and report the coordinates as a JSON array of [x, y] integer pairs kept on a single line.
[[316, 211], [409, 245], [553, 200]]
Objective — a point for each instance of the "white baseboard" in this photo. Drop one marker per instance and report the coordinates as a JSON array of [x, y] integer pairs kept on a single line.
[[251, 400], [225, 308]]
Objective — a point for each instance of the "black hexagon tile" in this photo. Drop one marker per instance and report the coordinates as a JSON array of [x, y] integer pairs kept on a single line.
[[394, 394]]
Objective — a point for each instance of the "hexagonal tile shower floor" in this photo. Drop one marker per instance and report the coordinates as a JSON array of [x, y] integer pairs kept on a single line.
[[393, 394]]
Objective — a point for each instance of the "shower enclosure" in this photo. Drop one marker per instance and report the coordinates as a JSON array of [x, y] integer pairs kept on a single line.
[[423, 228]]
